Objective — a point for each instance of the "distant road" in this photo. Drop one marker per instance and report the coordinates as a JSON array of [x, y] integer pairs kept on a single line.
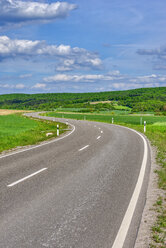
[[76, 191]]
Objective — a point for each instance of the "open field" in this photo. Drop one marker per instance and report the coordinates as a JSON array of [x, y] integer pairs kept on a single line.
[[100, 102], [16, 130], [128, 119], [10, 111]]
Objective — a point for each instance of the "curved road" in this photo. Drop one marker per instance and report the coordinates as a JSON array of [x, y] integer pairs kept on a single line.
[[72, 192]]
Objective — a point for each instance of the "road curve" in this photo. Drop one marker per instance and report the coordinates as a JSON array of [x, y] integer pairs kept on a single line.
[[73, 192]]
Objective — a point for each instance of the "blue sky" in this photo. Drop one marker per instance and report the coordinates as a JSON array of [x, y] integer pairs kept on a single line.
[[81, 46]]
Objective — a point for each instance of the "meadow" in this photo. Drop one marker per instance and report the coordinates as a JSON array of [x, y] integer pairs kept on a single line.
[[128, 119], [17, 130]]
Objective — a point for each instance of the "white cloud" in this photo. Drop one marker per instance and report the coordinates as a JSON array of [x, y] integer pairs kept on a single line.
[[66, 58], [78, 78], [19, 86], [114, 73], [17, 11], [116, 81], [12, 86], [39, 86], [25, 75], [13, 48], [145, 79]]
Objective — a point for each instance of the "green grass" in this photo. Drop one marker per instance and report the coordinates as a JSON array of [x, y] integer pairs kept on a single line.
[[127, 119], [80, 111], [16, 130], [120, 107], [159, 228], [70, 109]]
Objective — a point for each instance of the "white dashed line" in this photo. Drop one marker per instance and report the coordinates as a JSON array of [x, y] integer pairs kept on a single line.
[[25, 178], [84, 148], [98, 137], [101, 131]]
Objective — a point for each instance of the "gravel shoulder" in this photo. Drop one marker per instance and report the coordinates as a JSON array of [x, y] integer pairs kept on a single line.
[[149, 216]]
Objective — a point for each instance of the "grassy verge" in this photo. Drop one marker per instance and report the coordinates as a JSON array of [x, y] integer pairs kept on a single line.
[[125, 119], [156, 133], [17, 130]]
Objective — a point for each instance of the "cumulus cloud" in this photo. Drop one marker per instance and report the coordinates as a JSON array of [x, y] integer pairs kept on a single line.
[[17, 11], [116, 80], [66, 58], [25, 75], [14, 48], [77, 78], [145, 79], [39, 86], [149, 79], [12, 86], [114, 73], [85, 60]]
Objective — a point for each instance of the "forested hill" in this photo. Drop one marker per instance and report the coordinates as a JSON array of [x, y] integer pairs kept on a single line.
[[144, 99]]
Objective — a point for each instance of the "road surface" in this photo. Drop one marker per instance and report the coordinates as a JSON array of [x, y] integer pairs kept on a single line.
[[73, 192]]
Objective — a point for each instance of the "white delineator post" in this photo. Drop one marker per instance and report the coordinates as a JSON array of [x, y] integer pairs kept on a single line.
[[144, 126], [112, 120], [57, 130]]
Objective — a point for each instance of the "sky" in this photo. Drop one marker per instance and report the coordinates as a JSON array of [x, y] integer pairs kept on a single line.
[[81, 45]]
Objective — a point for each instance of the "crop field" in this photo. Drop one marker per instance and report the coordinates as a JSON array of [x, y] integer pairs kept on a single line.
[[128, 119], [85, 111], [16, 130], [10, 111]]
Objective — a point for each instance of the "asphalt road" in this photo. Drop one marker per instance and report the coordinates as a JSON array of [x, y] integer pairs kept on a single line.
[[74, 192]]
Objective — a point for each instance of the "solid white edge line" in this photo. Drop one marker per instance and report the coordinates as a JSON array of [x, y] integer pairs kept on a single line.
[[46, 143], [84, 148], [25, 178], [122, 233], [98, 137]]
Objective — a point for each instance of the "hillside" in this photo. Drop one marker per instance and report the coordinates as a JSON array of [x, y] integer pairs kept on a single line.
[[143, 99]]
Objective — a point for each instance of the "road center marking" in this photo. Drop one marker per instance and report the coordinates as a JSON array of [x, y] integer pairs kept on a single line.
[[101, 131], [84, 148], [25, 178], [98, 137]]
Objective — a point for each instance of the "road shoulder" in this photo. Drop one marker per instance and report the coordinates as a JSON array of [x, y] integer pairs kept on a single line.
[[149, 216]]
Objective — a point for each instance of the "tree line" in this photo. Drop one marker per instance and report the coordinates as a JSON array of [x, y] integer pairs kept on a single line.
[[143, 99]]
